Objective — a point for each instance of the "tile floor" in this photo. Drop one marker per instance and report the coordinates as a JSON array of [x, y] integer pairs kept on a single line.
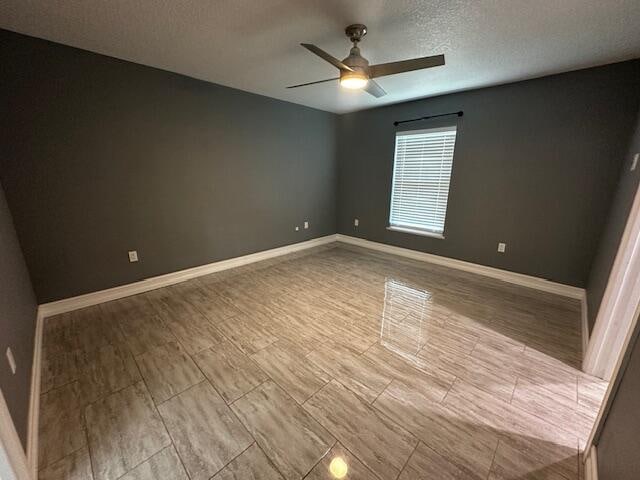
[[331, 363]]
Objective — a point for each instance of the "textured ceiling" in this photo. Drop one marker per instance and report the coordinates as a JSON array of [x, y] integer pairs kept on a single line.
[[253, 44]]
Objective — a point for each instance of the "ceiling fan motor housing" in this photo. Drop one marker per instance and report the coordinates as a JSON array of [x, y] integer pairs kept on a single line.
[[358, 64], [355, 32], [355, 61]]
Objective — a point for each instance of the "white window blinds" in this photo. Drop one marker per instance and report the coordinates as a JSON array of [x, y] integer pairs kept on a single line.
[[421, 177]]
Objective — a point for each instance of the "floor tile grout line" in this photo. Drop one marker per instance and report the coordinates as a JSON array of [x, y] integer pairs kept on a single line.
[[269, 379], [335, 441], [442, 402], [270, 461], [73, 452], [513, 392], [171, 445], [406, 462], [238, 455], [228, 406], [375, 408], [383, 390], [84, 416], [157, 410], [493, 459], [542, 419]]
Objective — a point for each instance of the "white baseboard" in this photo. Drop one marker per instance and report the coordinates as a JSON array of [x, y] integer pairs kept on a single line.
[[504, 275], [34, 400], [94, 298], [13, 461], [585, 325], [591, 464]]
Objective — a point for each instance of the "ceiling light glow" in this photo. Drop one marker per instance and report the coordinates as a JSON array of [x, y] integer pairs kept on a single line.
[[353, 80]]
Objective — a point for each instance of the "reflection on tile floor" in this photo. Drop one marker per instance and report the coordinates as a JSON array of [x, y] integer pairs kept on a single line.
[[331, 363]]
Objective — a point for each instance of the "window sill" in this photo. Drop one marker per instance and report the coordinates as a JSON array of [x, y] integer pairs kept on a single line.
[[422, 233]]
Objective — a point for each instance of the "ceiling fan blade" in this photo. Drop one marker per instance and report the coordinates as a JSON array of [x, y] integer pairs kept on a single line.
[[325, 56], [392, 68], [374, 89], [313, 83]]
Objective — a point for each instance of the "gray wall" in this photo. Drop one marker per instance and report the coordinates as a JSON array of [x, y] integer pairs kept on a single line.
[[618, 443], [536, 165], [100, 156], [17, 322], [616, 222]]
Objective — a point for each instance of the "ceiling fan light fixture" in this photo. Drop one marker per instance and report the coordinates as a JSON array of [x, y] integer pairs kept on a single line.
[[355, 71], [353, 80]]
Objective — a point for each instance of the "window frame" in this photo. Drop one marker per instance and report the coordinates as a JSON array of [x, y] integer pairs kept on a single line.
[[409, 229]]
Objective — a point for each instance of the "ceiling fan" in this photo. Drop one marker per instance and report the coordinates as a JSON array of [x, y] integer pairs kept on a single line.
[[355, 71]]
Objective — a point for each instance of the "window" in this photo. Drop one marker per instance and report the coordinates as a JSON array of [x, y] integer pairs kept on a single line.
[[421, 177]]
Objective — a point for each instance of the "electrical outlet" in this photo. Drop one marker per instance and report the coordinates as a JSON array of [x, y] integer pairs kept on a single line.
[[297, 228], [356, 222], [502, 247], [306, 225], [634, 163], [11, 360], [133, 256]]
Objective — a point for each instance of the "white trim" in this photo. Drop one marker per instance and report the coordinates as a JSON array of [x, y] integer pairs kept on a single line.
[[34, 400], [504, 275], [415, 231], [591, 464], [94, 298], [585, 325], [618, 310], [612, 382], [10, 444]]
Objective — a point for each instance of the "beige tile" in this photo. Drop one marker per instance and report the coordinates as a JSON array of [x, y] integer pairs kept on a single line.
[[61, 423], [163, 465], [230, 371], [212, 305], [356, 339], [124, 430], [380, 444], [425, 463], [137, 306], [107, 369], [205, 432], [94, 330], [287, 434], [466, 444], [75, 466], [299, 377], [557, 410], [252, 464], [195, 332], [353, 370], [143, 333], [337, 462], [168, 370], [407, 376], [530, 458], [481, 408], [557, 381], [61, 369], [58, 335], [171, 304], [247, 334], [499, 383]]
